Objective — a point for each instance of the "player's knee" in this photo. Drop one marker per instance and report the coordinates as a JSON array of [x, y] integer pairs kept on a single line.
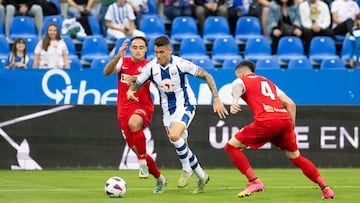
[[134, 126]]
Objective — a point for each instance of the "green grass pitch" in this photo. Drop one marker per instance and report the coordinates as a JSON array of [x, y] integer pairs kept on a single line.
[[72, 186]]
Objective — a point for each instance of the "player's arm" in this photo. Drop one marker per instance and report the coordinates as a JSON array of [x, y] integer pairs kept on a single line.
[[237, 91], [289, 106], [110, 68], [218, 106], [130, 94]]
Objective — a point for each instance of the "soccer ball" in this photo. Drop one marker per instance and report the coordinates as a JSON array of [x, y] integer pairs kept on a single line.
[[115, 187]]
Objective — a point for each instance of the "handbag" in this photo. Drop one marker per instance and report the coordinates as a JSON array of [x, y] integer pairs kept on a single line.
[[287, 29]]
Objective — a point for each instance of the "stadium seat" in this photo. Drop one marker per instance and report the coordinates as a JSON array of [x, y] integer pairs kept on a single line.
[[224, 48], [4, 48], [58, 19], [1, 28], [31, 42], [152, 26], [346, 50], [204, 63], [75, 64], [183, 27], [231, 63], [118, 44], [100, 63], [269, 63], [290, 47], [334, 63], [152, 8], [300, 64], [93, 47], [22, 26], [247, 27], [70, 45], [215, 27], [94, 27], [321, 48], [257, 48], [193, 48]]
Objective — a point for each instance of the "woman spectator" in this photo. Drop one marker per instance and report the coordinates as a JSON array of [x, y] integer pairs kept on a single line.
[[18, 57], [343, 15], [51, 51]]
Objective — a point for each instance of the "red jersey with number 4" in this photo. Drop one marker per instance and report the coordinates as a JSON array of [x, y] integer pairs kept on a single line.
[[261, 95], [129, 67]]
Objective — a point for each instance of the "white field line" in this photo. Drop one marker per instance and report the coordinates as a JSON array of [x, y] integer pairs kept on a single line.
[[167, 188]]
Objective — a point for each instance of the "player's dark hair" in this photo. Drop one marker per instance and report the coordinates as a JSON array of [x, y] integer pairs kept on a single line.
[[162, 41], [141, 38], [247, 64]]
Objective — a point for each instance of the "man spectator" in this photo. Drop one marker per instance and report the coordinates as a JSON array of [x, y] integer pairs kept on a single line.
[[205, 8], [80, 8]]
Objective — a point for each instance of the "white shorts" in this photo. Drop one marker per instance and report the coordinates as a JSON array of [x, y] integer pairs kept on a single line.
[[182, 114]]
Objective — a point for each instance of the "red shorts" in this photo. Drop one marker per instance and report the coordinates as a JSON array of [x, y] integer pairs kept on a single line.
[[278, 131], [123, 119]]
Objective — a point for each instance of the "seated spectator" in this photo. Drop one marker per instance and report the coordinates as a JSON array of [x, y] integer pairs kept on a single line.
[[120, 20], [355, 38], [48, 7], [18, 57], [175, 8], [104, 5], [284, 20], [23, 7], [80, 8], [236, 9], [51, 51], [315, 18], [260, 9], [2, 12], [140, 8], [343, 15], [205, 8]]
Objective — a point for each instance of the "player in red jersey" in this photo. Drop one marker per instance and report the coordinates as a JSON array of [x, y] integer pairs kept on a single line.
[[134, 117], [274, 120]]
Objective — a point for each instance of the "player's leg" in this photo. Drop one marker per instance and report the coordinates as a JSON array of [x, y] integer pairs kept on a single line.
[[287, 141], [203, 178]]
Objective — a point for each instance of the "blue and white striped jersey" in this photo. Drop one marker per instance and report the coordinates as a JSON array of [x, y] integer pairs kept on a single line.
[[172, 82]]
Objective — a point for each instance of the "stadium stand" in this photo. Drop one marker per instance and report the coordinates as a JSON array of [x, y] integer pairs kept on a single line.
[[4, 48], [193, 48], [152, 26], [321, 48], [290, 47], [93, 47], [183, 27], [100, 63], [75, 64], [22, 26], [346, 51], [300, 64], [334, 63], [224, 48], [215, 27], [70, 45], [231, 63], [266, 64], [31, 42], [247, 27], [204, 63], [257, 48]]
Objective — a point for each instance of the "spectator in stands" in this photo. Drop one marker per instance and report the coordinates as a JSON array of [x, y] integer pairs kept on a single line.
[[80, 8], [104, 5], [140, 8], [120, 20], [260, 8], [205, 8], [2, 12], [315, 18], [284, 20], [18, 57], [23, 7], [236, 9], [48, 7], [175, 8], [355, 38], [343, 15], [51, 51]]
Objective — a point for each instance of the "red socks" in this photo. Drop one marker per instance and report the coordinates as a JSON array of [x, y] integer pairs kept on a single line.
[[240, 161], [153, 169], [140, 143]]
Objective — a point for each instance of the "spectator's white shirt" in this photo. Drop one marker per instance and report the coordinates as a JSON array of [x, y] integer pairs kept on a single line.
[[53, 57], [323, 19], [345, 9], [120, 15]]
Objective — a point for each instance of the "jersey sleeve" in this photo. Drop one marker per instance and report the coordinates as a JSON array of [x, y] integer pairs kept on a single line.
[[188, 67], [238, 81], [145, 74], [119, 64], [279, 91]]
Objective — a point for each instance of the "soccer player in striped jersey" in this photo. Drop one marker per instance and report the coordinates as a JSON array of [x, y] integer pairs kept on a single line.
[[178, 102], [274, 121], [134, 117]]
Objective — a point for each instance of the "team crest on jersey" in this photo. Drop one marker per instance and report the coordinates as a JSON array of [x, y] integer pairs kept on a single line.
[[173, 72], [167, 85]]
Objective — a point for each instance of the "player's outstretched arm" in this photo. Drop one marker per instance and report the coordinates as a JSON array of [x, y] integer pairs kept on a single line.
[[110, 68], [237, 90], [218, 106]]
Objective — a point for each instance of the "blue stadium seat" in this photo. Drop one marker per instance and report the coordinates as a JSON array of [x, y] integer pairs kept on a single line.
[[58, 19], [270, 63], [300, 64], [118, 44], [231, 63], [152, 26], [333, 63], [1, 28], [193, 48], [75, 64], [100, 63], [290, 47], [321, 48], [224, 48], [70, 45], [22, 26], [346, 50], [93, 47], [257, 48], [31, 42], [152, 7], [247, 27], [215, 27], [183, 27], [4, 48], [204, 63]]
